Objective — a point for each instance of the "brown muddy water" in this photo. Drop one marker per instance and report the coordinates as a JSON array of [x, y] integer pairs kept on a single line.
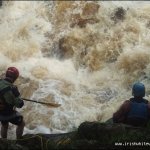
[[84, 55]]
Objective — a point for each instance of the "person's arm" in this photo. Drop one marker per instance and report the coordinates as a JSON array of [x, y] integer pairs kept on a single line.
[[12, 97], [18, 102], [120, 115]]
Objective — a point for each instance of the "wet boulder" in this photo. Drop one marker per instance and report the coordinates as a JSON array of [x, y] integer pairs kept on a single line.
[[108, 133], [89, 135], [119, 14]]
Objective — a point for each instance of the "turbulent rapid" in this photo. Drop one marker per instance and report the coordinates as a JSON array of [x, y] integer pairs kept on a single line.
[[83, 55]]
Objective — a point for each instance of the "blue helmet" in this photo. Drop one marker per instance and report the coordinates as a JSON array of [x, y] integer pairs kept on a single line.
[[138, 90]]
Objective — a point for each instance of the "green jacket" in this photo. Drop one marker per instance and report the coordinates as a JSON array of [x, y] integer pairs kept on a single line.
[[9, 96]]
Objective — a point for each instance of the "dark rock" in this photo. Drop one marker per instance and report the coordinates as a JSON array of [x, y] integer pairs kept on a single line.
[[119, 14], [109, 133], [90, 135], [10, 145]]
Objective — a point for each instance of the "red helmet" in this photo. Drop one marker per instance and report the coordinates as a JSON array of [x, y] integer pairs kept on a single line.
[[12, 73]]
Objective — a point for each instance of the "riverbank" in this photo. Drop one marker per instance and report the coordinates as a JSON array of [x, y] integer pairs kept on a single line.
[[90, 135]]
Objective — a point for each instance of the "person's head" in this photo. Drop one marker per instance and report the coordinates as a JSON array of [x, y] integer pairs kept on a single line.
[[138, 90], [12, 73]]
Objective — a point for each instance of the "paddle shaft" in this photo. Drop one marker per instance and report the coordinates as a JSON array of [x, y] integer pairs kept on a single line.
[[39, 102]]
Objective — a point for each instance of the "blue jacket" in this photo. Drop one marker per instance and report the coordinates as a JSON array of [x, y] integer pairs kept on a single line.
[[139, 112], [134, 112]]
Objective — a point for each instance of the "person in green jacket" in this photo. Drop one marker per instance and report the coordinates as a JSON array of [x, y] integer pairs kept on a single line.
[[9, 100]]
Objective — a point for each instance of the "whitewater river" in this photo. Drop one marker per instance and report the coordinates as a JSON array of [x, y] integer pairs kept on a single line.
[[84, 55]]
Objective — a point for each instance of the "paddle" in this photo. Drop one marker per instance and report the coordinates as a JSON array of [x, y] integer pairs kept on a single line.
[[47, 104]]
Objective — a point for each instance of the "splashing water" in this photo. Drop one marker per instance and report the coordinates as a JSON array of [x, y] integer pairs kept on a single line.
[[83, 55]]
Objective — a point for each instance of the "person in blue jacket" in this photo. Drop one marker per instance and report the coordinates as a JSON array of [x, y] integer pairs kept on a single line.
[[136, 110]]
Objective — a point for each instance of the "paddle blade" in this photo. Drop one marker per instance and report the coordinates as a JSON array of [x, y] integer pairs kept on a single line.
[[52, 105]]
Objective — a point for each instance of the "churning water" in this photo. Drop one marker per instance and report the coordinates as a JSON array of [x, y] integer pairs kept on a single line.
[[83, 55]]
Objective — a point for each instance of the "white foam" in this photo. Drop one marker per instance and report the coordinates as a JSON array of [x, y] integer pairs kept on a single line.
[[84, 95]]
